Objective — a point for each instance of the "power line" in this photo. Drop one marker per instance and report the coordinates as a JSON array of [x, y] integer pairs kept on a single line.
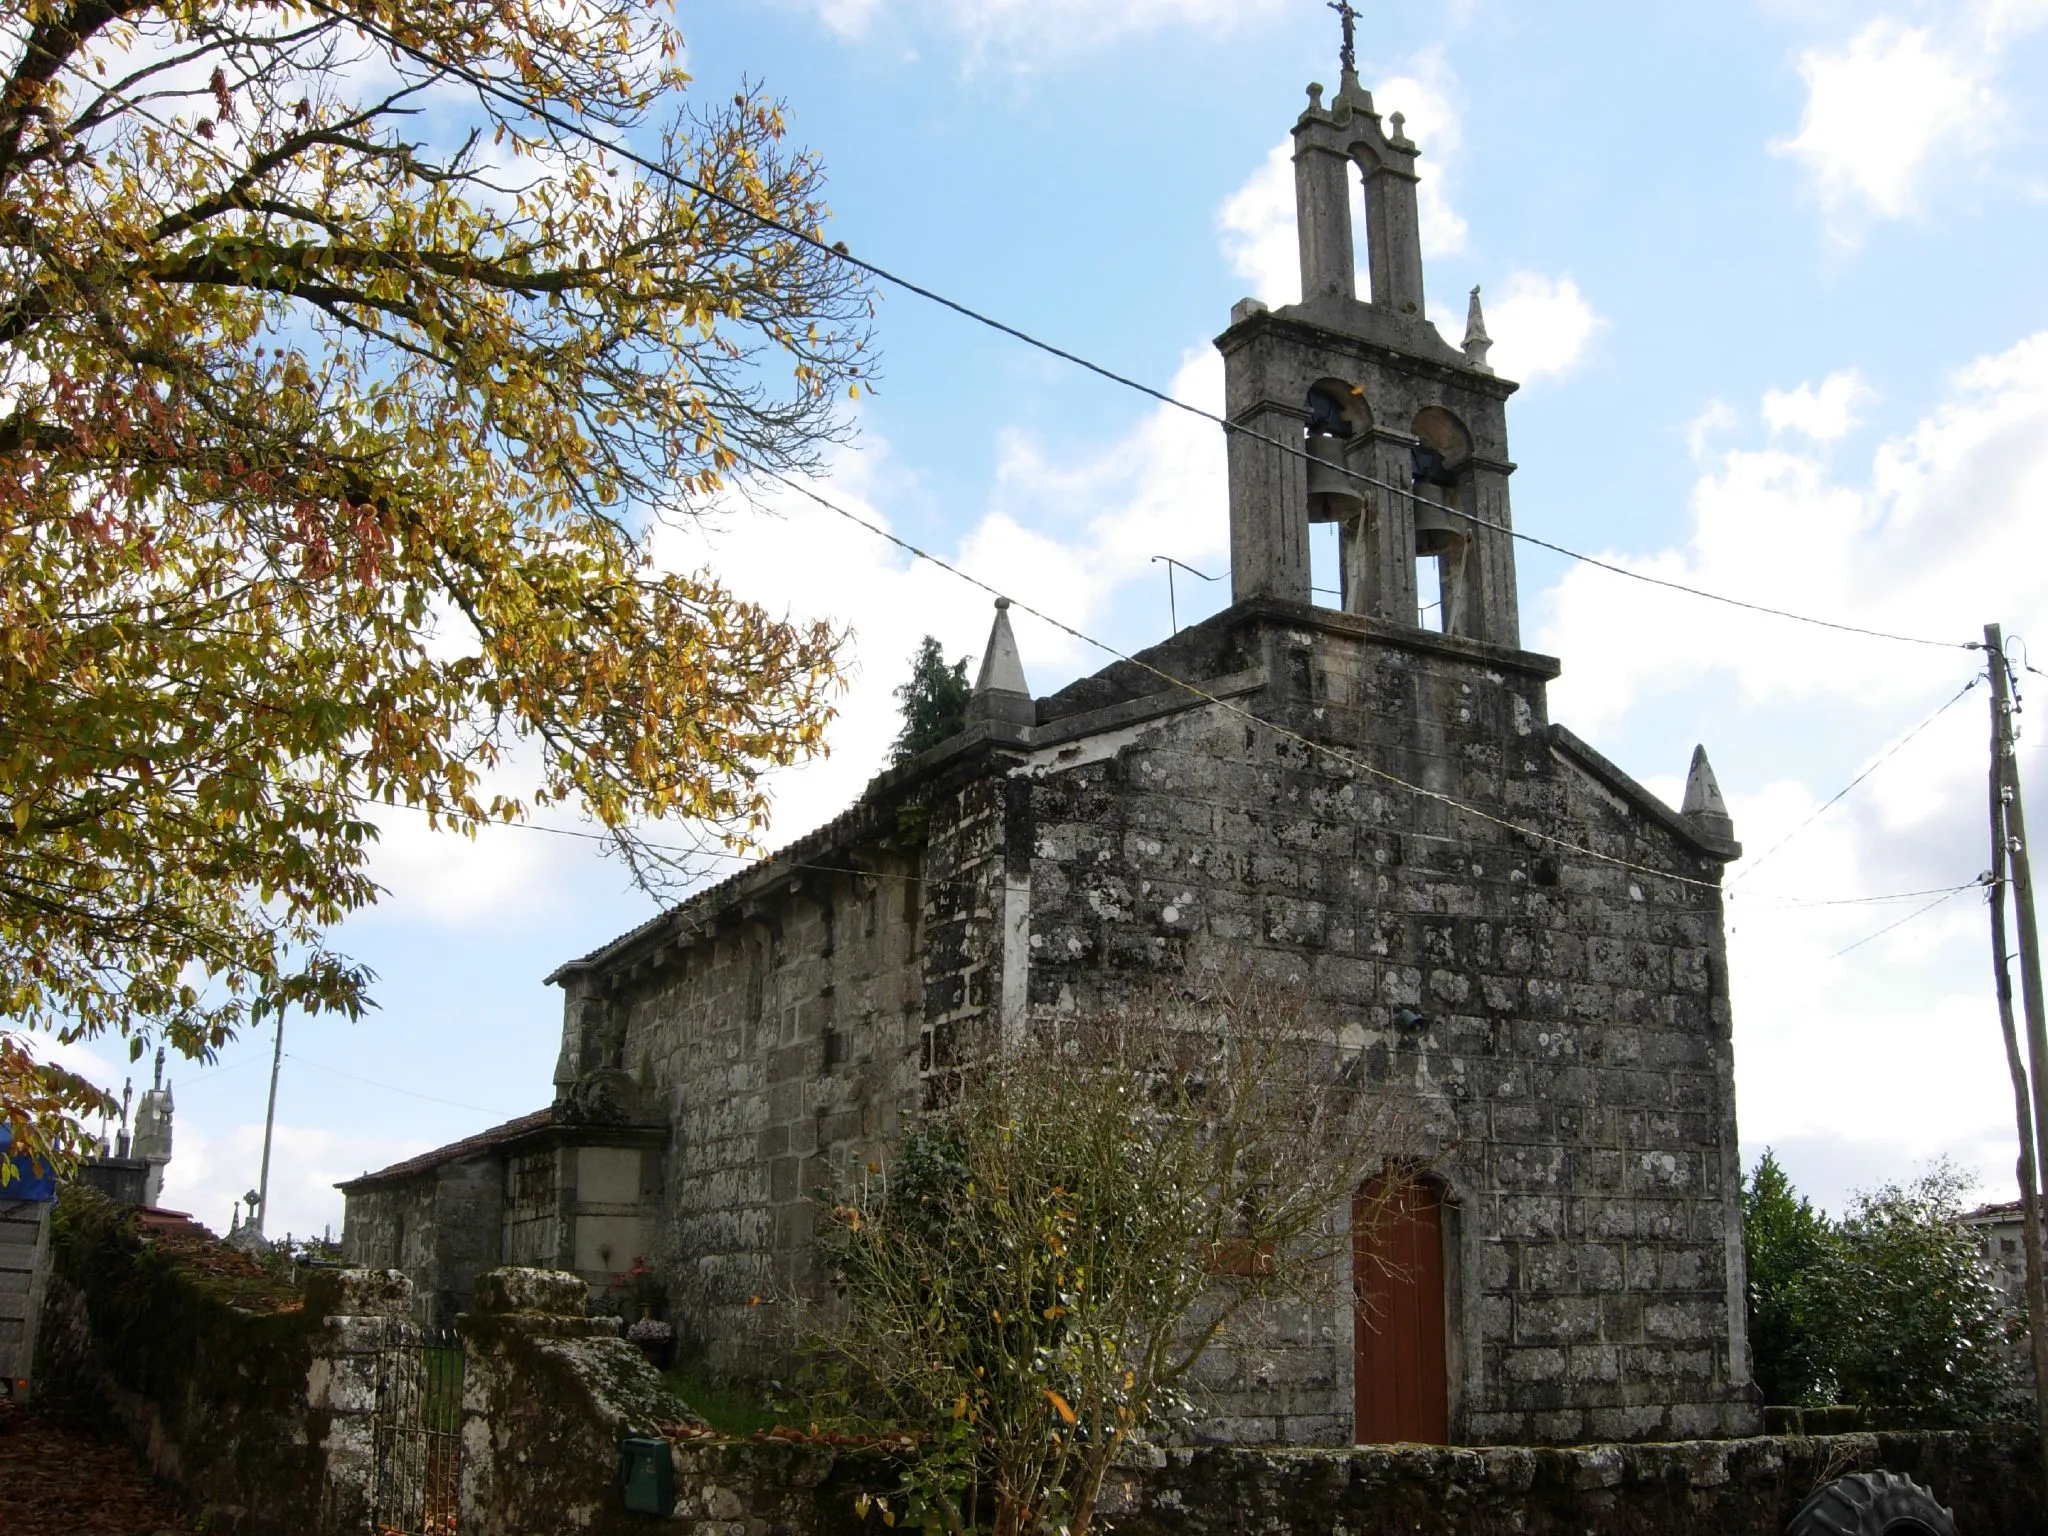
[[1943, 898], [1850, 901], [220, 1072], [1320, 748], [1750, 868], [838, 252], [388, 1087]]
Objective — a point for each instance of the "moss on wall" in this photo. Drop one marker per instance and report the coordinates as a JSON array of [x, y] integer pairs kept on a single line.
[[200, 1353], [1991, 1477]]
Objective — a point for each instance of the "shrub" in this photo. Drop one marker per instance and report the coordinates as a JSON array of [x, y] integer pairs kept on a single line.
[[1029, 1284]]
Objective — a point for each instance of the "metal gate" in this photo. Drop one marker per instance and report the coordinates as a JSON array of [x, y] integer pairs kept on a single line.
[[418, 1439]]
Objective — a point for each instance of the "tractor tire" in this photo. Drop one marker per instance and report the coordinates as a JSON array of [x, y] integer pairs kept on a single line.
[[1871, 1504]]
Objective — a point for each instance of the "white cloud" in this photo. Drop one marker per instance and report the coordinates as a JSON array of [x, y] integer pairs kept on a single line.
[[1423, 97], [211, 1170], [440, 877], [1900, 547], [1065, 535], [1541, 326], [1824, 414], [1024, 33], [1902, 552], [1258, 231], [1826, 995], [1717, 417], [1879, 111]]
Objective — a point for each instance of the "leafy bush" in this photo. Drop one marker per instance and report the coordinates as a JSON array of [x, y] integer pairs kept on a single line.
[[1029, 1285], [1912, 1319], [1890, 1307]]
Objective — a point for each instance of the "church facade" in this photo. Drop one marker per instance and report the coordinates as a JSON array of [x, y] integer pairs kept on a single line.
[[1521, 942]]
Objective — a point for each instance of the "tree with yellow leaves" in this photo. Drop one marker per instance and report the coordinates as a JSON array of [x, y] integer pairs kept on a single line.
[[345, 365]]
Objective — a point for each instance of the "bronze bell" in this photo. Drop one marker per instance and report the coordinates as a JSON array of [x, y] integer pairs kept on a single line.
[[1436, 531], [1333, 496]]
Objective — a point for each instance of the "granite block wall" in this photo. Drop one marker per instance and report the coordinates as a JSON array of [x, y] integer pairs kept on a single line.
[[1553, 1008], [1571, 1072], [789, 1036], [440, 1227], [1990, 1478]]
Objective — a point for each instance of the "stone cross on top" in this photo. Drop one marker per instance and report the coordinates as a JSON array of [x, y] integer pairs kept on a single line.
[[1349, 16]]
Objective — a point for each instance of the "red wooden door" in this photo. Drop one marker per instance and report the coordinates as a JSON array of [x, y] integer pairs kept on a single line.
[[1402, 1391]]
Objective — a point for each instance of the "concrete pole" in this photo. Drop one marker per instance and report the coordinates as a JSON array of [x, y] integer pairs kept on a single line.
[[2029, 1181], [269, 1121]]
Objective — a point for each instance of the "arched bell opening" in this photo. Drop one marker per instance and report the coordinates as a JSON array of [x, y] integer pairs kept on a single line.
[[1339, 423], [1440, 486]]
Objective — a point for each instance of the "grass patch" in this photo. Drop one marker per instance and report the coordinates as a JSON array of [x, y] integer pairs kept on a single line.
[[441, 1388], [736, 1408]]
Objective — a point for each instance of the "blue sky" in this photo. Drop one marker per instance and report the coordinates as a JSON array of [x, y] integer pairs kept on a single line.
[[1772, 277]]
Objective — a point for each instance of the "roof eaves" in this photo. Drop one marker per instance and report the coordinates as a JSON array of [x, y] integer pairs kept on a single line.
[[483, 1141], [862, 820]]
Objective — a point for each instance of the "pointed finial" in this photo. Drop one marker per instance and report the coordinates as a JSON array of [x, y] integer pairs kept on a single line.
[[1000, 691], [1703, 805], [1477, 342]]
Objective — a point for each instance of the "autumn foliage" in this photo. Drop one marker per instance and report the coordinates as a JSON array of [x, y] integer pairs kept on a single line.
[[342, 377], [1030, 1282]]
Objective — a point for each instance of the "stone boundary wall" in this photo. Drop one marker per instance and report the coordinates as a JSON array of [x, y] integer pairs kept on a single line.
[[255, 1401], [264, 1420], [1991, 1477], [548, 1394]]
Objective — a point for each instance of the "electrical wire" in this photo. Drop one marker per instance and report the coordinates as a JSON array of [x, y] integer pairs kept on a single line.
[[388, 1087], [1945, 897], [1750, 867], [838, 252], [192, 1082], [1892, 897]]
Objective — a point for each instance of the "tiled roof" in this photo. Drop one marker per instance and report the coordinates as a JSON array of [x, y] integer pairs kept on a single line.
[[2002, 1210], [859, 822], [482, 1141]]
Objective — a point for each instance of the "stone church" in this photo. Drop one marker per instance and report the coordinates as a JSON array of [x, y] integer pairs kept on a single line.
[[1520, 937]]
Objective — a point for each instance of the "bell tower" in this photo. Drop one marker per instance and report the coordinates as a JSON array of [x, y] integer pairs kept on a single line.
[[1402, 437]]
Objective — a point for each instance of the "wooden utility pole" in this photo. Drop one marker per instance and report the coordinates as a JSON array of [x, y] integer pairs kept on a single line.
[[2004, 800], [262, 1211]]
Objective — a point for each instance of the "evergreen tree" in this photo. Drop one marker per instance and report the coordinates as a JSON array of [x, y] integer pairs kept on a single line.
[[1787, 1241], [933, 702]]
